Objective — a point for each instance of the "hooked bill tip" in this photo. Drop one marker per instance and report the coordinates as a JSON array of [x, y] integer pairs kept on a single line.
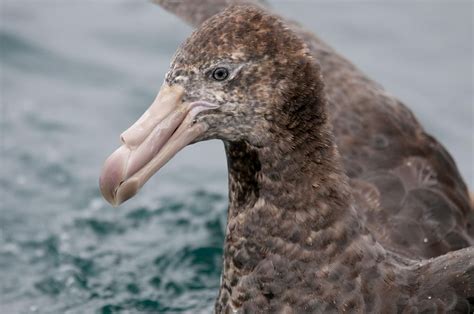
[[112, 175], [126, 190]]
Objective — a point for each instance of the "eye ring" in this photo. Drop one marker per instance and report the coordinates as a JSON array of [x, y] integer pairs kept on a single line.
[[220, 74]]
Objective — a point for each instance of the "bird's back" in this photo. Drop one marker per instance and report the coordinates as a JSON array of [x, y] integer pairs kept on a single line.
[[406, 185]]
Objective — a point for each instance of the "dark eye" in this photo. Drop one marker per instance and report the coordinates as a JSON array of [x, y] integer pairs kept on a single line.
[[220, 74]]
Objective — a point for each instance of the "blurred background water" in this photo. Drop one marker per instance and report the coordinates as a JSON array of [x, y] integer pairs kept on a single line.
[[75, 74]]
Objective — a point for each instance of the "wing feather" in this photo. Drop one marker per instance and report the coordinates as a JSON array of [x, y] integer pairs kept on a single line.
[[194, 12]]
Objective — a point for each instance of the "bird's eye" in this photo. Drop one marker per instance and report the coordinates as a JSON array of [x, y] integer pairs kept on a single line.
[[220, 74]]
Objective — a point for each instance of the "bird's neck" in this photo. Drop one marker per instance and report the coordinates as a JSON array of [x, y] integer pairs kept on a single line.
[[294, 175], [289, 192], [290, 212]]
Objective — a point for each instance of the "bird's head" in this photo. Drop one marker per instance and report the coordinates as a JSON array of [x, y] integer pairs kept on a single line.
[[237, 78]]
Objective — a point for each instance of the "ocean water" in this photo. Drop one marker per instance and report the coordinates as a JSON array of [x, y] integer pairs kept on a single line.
[[76, 74]]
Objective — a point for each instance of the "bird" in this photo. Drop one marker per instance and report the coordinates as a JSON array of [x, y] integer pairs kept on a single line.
[[339, 200]]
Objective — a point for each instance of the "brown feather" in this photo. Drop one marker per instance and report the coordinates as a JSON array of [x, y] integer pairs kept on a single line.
[[301, 236]]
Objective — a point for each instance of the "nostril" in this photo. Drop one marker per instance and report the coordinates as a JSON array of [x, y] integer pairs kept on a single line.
[[130, 139], [133, 136]]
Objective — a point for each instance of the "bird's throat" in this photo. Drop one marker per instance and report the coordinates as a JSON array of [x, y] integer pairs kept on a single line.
[[284, 209]]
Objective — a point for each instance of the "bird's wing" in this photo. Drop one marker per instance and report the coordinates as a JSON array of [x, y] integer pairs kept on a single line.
[[406, 185], [194, 12], [444, 284]]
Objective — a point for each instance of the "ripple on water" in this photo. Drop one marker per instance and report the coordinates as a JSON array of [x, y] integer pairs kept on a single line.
[[137, 259], [99, 227], [30, 57]]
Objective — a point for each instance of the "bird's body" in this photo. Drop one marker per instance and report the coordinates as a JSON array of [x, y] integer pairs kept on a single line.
[[338, 199]]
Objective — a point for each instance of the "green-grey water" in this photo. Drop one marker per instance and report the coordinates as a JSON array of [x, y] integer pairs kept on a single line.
[[76, 74]]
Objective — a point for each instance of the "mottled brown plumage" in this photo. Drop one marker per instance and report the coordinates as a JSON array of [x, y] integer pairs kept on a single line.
[[338, 196]]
